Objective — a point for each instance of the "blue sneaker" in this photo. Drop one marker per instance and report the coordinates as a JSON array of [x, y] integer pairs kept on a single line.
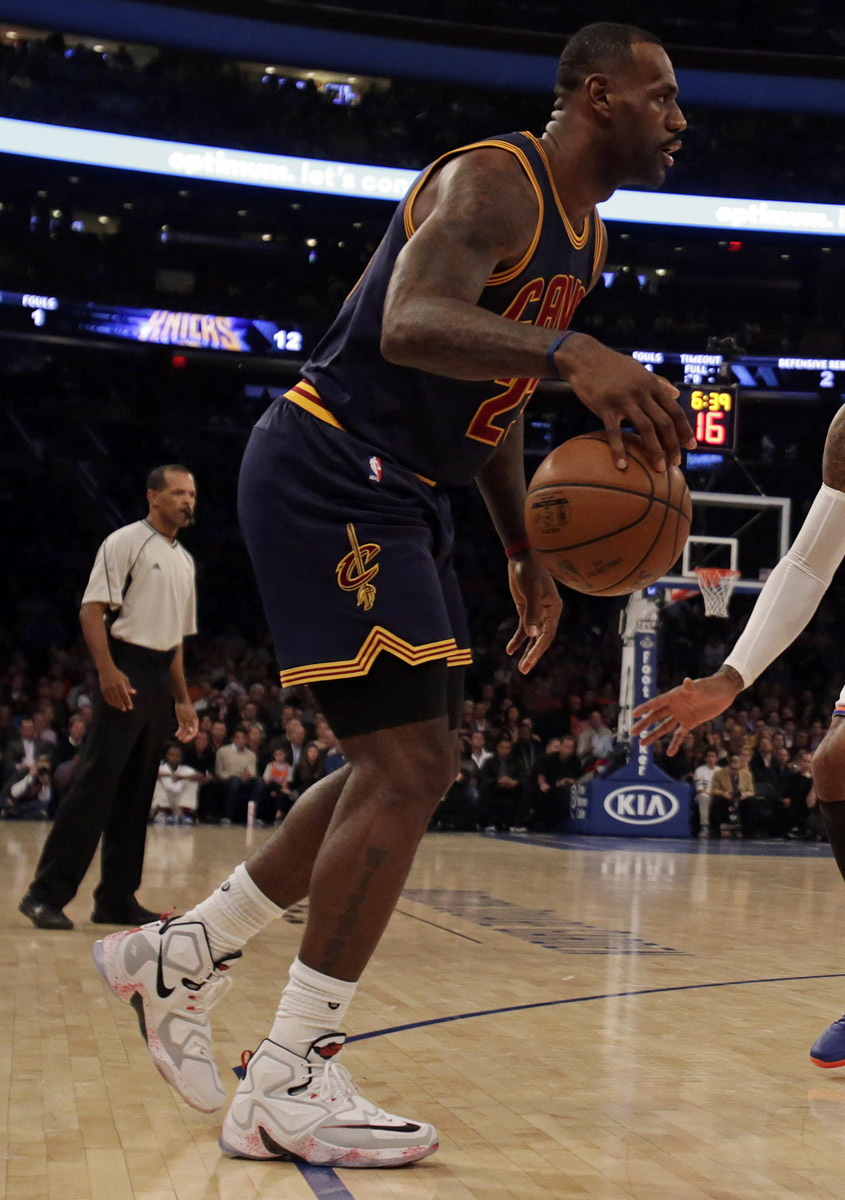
[[828, 1050]]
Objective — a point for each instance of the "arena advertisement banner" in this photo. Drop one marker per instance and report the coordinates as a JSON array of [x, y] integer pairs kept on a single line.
[[645, 688], [725, 213], [638, 799], [214, 163], [359, 180], [626, 804]]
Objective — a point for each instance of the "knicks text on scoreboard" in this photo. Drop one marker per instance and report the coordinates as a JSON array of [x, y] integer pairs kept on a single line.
[[201, 331]]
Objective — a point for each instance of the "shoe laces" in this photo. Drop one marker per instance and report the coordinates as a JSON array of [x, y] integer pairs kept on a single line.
[[211, 993], [335, 1084], [212, 990]]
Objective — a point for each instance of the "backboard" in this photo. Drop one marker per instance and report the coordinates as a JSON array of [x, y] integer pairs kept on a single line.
[[749, 533]]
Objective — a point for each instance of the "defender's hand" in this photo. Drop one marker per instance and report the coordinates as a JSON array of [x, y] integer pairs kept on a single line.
[[188, 722], [538, 606], [618, 388], [116, 688], [685, 707]]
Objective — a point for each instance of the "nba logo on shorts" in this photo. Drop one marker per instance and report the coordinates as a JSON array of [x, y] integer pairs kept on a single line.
[[375, 469]]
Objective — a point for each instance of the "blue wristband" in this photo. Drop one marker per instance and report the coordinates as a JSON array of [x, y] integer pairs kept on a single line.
[[550, 353]]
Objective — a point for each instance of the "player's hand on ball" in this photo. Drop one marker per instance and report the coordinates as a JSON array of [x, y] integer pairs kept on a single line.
[[684, 707], [538, 606], [618, 388], [188, 721]]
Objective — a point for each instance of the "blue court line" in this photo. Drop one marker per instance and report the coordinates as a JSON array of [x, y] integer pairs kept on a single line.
[[492, 1012], [324, 1183]]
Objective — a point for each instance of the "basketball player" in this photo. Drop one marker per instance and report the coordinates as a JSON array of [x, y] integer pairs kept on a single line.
[[784, 607], [347, 523]]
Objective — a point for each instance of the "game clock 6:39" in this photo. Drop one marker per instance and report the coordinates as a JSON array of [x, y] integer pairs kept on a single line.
[[711, 410]]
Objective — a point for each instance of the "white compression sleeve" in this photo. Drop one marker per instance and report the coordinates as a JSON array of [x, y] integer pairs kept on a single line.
[[793, 590]]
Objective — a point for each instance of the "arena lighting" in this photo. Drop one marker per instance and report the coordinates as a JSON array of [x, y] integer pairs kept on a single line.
[[360, 181]]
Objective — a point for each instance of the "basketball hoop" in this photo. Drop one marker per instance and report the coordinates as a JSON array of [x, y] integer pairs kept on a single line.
[[716, 585]]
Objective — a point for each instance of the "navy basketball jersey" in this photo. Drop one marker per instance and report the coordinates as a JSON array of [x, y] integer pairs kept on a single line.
[[445, 429]]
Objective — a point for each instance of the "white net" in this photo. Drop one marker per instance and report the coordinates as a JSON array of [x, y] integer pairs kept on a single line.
[[716, 585]]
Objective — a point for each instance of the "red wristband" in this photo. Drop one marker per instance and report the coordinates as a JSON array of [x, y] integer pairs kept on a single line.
[[517, 548]]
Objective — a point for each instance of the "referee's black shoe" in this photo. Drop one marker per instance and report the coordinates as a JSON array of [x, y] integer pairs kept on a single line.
[[44, 916], [126, 914]]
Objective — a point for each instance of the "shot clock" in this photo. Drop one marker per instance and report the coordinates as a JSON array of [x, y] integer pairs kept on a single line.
[[711, 411]]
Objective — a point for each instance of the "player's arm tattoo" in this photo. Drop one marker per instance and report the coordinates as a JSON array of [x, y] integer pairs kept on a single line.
[[733, 676], [833, 463], [483, 219]]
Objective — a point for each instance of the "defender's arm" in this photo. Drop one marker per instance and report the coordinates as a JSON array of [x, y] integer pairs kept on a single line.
[[784, 607]]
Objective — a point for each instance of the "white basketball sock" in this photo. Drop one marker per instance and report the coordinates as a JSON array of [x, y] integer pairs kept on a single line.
[[234, 913], [311, 1005]]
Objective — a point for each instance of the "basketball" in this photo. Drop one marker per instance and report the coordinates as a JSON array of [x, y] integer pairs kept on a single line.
[[604, 531]]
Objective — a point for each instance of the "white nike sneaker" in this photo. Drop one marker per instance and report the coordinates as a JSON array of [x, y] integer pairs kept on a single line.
[[309, 1109], [166, 972]]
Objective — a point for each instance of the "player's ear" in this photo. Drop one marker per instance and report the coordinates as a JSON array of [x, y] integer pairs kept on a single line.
[[596, 89]]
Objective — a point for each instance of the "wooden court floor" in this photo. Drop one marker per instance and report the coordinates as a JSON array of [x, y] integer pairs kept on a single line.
[[599, 1020]]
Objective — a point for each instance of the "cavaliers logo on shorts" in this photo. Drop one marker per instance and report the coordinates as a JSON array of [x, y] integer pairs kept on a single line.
[[354, 573]]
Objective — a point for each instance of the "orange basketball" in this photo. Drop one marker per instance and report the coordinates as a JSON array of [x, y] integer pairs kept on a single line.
[[604, 531]]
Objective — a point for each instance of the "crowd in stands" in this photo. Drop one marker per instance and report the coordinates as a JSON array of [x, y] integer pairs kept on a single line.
[[778, 26], [258, 748], [99, 426], [200, 98], [301, 287], [187, 97]]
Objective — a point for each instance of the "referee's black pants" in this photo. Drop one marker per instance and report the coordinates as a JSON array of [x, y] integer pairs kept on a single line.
[[113, 789]]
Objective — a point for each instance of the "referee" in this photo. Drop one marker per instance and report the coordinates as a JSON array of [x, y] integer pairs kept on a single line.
[[139, 604]]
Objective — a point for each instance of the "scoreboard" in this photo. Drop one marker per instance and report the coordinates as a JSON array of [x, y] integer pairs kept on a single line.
[[711, 411], [188, 330], [760, 374], [711, 386]]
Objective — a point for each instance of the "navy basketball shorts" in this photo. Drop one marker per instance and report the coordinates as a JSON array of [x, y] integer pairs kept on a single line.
[[353, 556]]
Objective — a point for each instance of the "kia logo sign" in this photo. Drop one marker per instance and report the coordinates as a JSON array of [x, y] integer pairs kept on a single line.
[[641, 805]]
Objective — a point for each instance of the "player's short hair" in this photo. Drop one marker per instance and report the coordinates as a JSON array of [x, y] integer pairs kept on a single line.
[[157, 478], [594, 48]]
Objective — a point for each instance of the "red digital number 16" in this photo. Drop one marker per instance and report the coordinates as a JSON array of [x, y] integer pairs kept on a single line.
[[709, 428]]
